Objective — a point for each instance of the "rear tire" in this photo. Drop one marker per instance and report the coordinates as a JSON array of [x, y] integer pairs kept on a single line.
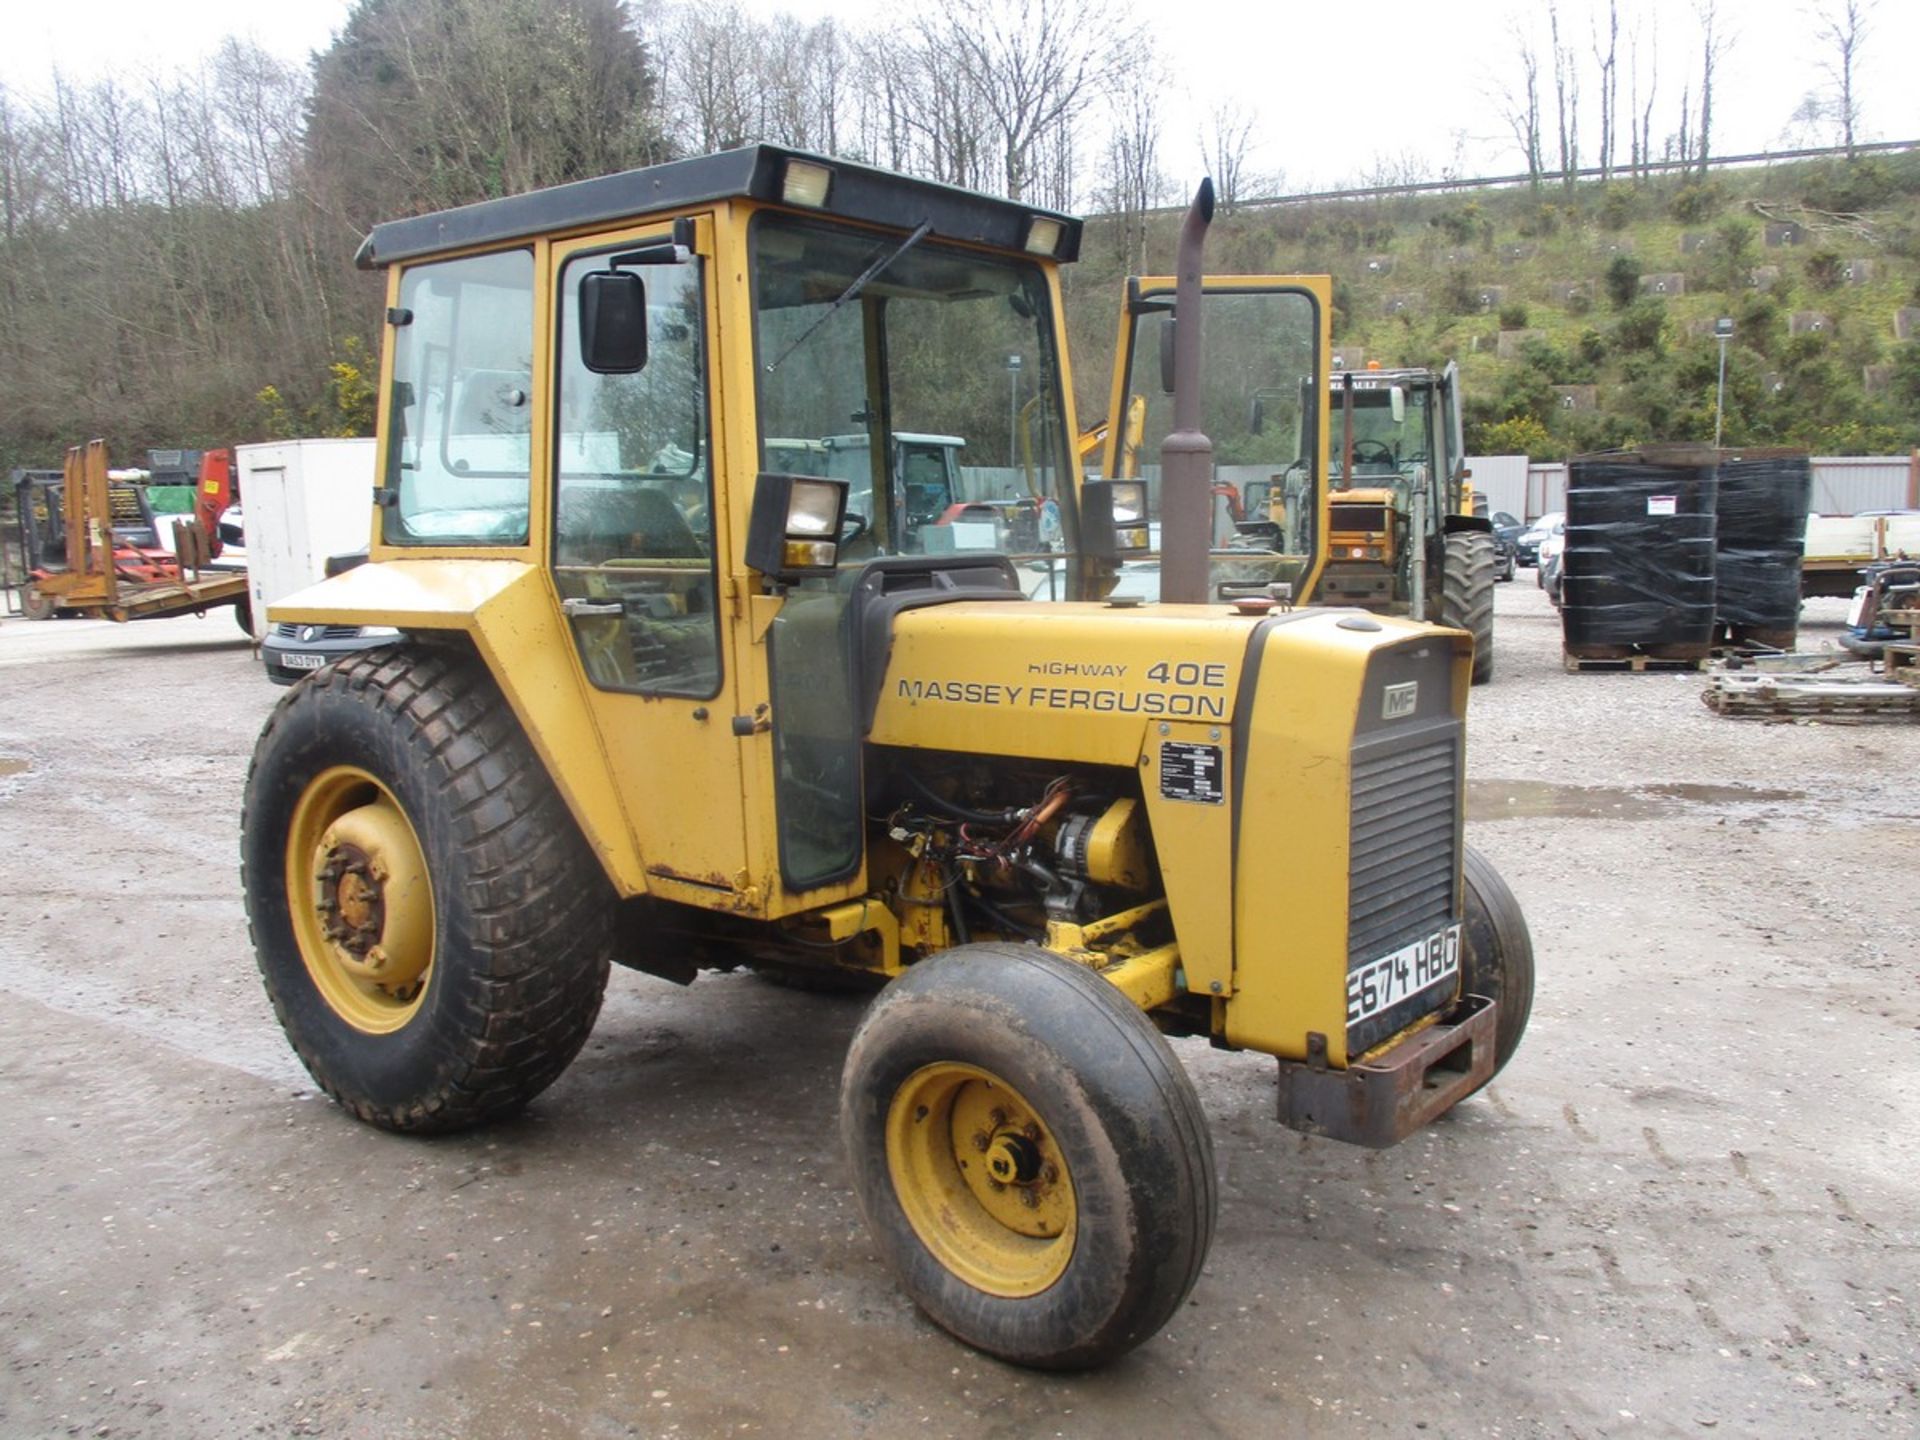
[[1499, 954], [431, 927], [1003, 1055], [1466, 595]]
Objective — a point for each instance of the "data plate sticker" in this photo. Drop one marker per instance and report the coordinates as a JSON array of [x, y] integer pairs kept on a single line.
[[1192, 772], [1381, 984]]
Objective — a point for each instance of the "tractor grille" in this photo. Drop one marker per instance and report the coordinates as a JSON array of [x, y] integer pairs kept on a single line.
[[1404, 842], [1370, 518]]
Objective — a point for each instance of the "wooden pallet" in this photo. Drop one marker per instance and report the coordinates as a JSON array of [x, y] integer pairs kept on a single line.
[[1637, 663], [1789, 697], [1901, 663]]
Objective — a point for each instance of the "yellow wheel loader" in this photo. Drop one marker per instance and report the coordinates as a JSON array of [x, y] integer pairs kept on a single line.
[[665, 700]]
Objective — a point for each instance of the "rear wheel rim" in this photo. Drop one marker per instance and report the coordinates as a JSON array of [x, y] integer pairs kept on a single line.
[[360, 899], [981, 1180]]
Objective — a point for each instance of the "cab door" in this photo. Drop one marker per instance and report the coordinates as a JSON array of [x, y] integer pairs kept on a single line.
[[635, 563]]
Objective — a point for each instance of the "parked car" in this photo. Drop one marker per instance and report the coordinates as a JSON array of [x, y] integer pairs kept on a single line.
[[1507, 526], [1554, 522], [291, 651], [1503, 556], [1553, 551]]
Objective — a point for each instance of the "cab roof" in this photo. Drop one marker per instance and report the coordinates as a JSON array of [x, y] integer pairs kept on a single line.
[[856, 192]]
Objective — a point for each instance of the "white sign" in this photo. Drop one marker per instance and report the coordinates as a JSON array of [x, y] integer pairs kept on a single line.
[[1663, 504]]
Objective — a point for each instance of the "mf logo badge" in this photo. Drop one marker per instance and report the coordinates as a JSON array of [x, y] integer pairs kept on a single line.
[[1400, 701]]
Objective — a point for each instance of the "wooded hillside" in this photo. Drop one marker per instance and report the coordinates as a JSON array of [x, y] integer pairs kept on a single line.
[[1583, 316]]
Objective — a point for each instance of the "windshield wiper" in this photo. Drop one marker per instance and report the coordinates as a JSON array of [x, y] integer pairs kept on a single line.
[[860, 283]]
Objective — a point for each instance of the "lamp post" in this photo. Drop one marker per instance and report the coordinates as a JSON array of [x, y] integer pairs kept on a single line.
[[1013, 409], [1723, 332]]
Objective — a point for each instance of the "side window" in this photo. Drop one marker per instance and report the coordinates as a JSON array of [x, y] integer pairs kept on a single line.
[[633, 512], [459, 437]]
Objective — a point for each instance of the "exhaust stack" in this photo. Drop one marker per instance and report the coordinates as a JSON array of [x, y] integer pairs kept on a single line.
[[1186, 456]]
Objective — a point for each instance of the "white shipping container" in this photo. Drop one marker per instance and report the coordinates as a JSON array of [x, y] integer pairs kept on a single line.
[[304, 500]]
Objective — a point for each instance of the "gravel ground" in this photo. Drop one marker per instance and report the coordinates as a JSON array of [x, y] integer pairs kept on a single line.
[[1687, 1208]]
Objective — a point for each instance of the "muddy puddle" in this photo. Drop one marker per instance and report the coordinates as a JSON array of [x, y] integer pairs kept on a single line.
[[10, 766], [1536, 800]]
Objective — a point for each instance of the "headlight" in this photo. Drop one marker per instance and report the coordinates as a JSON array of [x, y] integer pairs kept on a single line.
[[814, 508], [794, 528]]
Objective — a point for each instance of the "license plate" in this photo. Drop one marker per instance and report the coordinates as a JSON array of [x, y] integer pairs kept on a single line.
[[303, 662], [1424, 965]]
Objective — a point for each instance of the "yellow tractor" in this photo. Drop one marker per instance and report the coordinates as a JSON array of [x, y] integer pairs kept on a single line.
[[1404, 536], [664, 703]]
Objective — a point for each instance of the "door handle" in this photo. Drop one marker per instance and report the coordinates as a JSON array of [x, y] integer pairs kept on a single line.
[[575, 605]]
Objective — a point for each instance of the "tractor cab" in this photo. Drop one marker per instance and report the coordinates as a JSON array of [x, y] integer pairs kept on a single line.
[[926, 486]]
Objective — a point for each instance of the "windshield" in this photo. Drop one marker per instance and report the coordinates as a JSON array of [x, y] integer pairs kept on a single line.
[[1382, 444], [933, 389]]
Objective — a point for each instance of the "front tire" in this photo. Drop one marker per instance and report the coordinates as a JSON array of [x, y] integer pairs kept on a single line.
[[1029, 1154], [1466, 594], [1499, 954], [36, 604], [432, 930]]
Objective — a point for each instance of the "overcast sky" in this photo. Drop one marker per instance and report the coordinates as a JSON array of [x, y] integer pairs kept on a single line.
[[1335, 88]]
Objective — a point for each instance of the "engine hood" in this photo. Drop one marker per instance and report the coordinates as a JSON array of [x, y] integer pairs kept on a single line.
[[1083, 681]]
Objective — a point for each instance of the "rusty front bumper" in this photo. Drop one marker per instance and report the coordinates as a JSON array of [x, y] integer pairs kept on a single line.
[[1382, 1102]]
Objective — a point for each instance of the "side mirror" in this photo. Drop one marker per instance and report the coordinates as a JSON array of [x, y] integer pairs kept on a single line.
[[1397, 403], [1166, 355], [613, 322], [1113, 519]]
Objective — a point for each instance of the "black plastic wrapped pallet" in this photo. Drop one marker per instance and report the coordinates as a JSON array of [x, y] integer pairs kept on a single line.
[[1762, 506], [1638, 571]]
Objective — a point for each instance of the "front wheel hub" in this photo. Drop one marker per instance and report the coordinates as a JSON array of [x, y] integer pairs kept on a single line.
[[362, 903], [981, 1180], [369, 887]]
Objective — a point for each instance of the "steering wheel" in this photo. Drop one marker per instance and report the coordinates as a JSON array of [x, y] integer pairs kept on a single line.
[[852, 528], [1373, 452]]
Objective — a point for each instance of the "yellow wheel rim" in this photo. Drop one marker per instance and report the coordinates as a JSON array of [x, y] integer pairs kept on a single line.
[[981, 1180], [359, 896]]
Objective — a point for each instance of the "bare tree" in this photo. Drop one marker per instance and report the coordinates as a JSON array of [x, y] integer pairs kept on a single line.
[[1714, 44], [1640, 121], [1566, 92], [1607, 60], [1033, 65], [1843, 31], [1226, 138], [1522, 111], [1131, 181]]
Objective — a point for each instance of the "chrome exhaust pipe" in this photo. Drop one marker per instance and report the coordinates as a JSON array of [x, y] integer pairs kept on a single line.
[[1186, 456]]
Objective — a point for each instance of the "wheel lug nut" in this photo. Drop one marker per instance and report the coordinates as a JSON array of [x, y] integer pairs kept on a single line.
[[1050, 1174], [1032, 1132], [981, 1141], [1029, 1199], [997, 1119]]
